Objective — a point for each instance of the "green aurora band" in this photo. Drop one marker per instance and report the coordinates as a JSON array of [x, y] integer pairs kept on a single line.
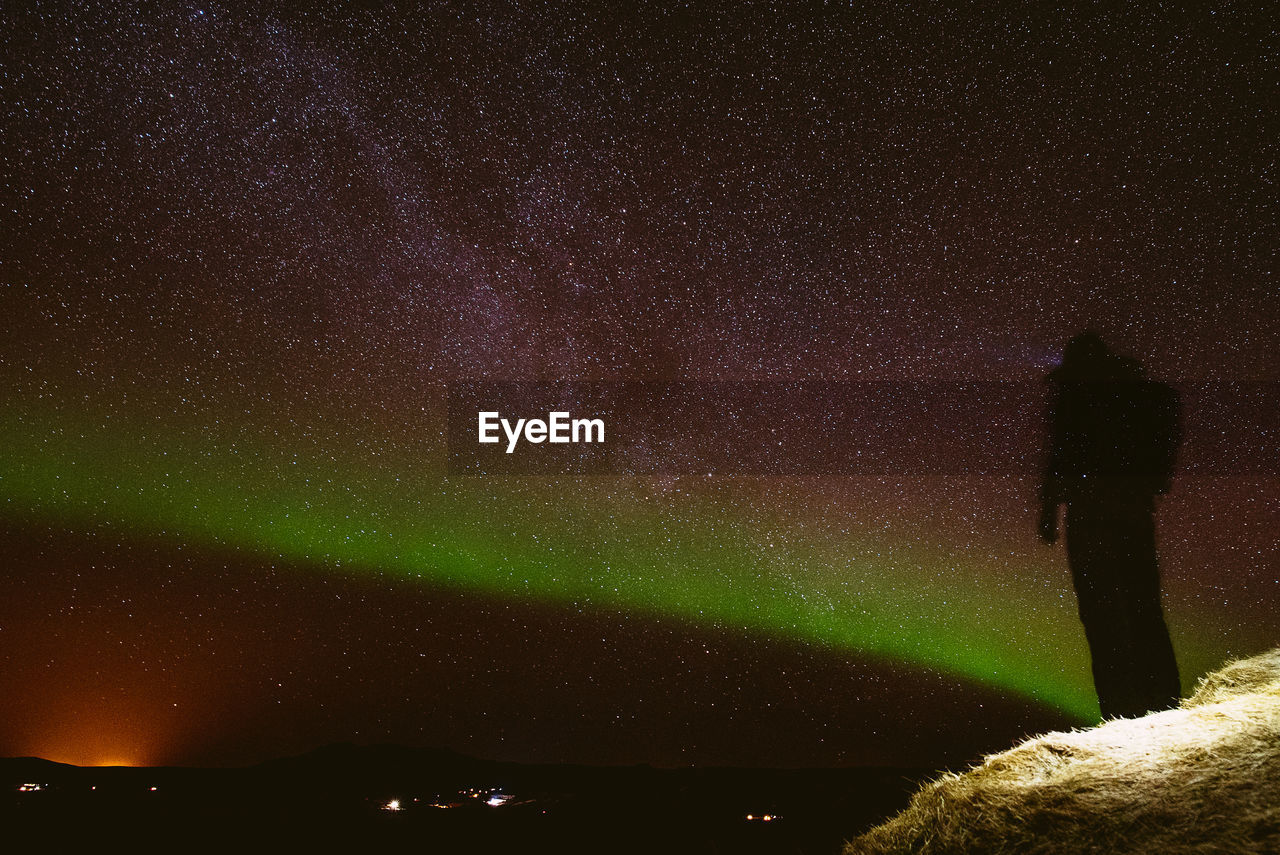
[[586, 543]]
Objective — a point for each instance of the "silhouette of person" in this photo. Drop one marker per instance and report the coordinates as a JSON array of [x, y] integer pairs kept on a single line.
[[1113, 435]]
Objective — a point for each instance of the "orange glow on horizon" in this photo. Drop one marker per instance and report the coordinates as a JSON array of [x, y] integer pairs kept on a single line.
[[118, 736], [116, 761], [132, 722], [88, 756]]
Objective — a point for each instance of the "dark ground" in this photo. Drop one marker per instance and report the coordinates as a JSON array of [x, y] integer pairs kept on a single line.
[[337, 798]]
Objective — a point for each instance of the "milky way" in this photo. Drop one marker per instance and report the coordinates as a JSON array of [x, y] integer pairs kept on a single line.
[[248, 252]]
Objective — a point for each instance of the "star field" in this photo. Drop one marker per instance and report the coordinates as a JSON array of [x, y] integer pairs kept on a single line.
[[248, 250]]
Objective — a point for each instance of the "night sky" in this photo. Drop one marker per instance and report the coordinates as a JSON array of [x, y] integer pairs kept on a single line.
[[246, 253]]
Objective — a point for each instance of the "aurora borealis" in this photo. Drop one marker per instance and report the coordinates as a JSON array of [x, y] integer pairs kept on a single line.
[[250, 251]]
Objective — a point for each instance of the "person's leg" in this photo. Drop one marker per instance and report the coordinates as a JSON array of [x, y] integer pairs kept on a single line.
[[1155, 669], [1107, 651], [1148, 667], [1105, 622], [1157, 665]]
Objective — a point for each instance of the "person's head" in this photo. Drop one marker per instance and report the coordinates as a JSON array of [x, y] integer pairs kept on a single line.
[[1086, 348]]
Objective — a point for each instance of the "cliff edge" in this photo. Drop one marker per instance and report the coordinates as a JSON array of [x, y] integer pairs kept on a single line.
[[1202, 778]]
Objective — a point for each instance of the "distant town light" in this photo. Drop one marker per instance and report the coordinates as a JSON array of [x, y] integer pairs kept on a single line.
[[394, 804]]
